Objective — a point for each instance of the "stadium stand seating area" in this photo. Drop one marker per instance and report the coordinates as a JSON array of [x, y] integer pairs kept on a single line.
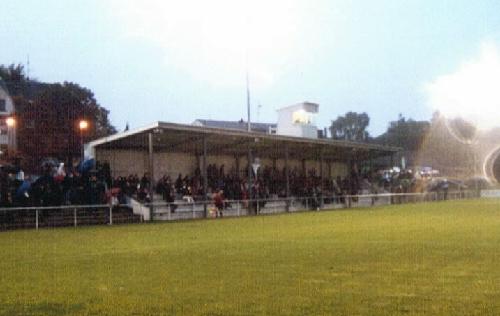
[[92, 184]]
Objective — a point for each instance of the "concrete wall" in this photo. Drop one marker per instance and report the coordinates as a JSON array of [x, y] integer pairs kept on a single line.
[[126, 162]]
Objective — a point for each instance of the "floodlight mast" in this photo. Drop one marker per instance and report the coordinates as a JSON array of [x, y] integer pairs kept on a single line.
[[248, 98]]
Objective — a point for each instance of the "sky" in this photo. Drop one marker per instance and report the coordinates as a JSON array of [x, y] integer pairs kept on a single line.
[[177, 61]]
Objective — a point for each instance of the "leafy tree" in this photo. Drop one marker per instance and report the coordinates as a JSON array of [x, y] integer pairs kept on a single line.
[[48, 126], [405, 133], [14, 77], [12, 72], [48, 116], [462, 129], [352, 126]]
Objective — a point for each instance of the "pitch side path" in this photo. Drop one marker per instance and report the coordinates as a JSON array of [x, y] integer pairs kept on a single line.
[[438, 258]]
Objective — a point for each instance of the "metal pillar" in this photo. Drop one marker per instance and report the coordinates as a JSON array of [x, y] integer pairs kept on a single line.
[[250, 182], [329, 164], [151, 174], [287, 180], [370, 155], [321, 176], [205, 176]]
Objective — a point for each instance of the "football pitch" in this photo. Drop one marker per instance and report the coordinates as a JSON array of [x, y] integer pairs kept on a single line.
[[420, 259]]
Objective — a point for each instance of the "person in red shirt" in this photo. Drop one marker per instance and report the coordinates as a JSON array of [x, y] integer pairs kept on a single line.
[[219, 202]]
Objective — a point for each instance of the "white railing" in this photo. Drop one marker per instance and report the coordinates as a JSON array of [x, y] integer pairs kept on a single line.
[[65, 215], [234, 208], [76, 215]]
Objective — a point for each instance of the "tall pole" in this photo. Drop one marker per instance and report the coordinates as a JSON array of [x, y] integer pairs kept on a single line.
[[81, 145], [11, 135], [248, 98], [82, 125]]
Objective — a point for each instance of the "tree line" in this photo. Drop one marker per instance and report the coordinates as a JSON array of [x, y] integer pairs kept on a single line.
[[47, 117]]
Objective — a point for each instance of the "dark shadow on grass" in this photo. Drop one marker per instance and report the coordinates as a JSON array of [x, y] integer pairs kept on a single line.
[[46, 308]]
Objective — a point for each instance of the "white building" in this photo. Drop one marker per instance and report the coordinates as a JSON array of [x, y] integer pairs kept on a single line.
[[7, 134], [298, 120]]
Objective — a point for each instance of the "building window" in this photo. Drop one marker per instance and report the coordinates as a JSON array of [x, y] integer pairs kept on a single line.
[[302, 117], [2, 105]]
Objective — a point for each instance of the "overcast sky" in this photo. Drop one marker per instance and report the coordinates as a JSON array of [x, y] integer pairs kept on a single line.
[[181, 60]]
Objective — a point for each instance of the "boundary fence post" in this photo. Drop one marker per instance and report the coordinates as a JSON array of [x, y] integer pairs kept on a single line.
[[110, 214], [74, 217]]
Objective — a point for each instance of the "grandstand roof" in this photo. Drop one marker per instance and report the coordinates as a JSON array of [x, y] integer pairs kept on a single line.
[[188, 138], [239, 125]]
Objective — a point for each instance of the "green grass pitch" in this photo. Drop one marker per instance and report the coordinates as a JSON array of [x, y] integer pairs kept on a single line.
[[420, 259]]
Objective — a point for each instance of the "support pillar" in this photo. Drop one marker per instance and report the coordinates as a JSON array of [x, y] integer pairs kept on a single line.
[[329, 164], [250, 182], [151, 174], [287, 180], [370, 162], [205, 176], [321, 176]]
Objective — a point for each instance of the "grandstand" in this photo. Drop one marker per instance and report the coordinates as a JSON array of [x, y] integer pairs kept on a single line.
[[176, 148], [171, 149]]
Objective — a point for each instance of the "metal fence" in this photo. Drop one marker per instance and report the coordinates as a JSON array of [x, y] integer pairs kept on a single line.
[[134, 212], [66, 215], [235, 208]]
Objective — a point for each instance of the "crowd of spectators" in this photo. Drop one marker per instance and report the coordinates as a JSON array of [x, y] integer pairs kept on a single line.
[[56, 185], [60, 185]]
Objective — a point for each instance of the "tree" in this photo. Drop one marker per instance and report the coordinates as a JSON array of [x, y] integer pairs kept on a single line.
[[14, 73], [48, 126], [405, 133], [48, 116], [351, 127], [446, 152], [462, 129], [14, 77]]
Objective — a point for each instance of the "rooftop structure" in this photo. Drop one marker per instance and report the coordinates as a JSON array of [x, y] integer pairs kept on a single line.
[[266, 128], [298, 120]]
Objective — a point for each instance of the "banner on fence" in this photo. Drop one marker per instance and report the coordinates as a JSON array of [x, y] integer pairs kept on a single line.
[[490, 193]]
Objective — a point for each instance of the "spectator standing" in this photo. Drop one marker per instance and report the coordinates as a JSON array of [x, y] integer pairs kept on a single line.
[[219, 202]]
